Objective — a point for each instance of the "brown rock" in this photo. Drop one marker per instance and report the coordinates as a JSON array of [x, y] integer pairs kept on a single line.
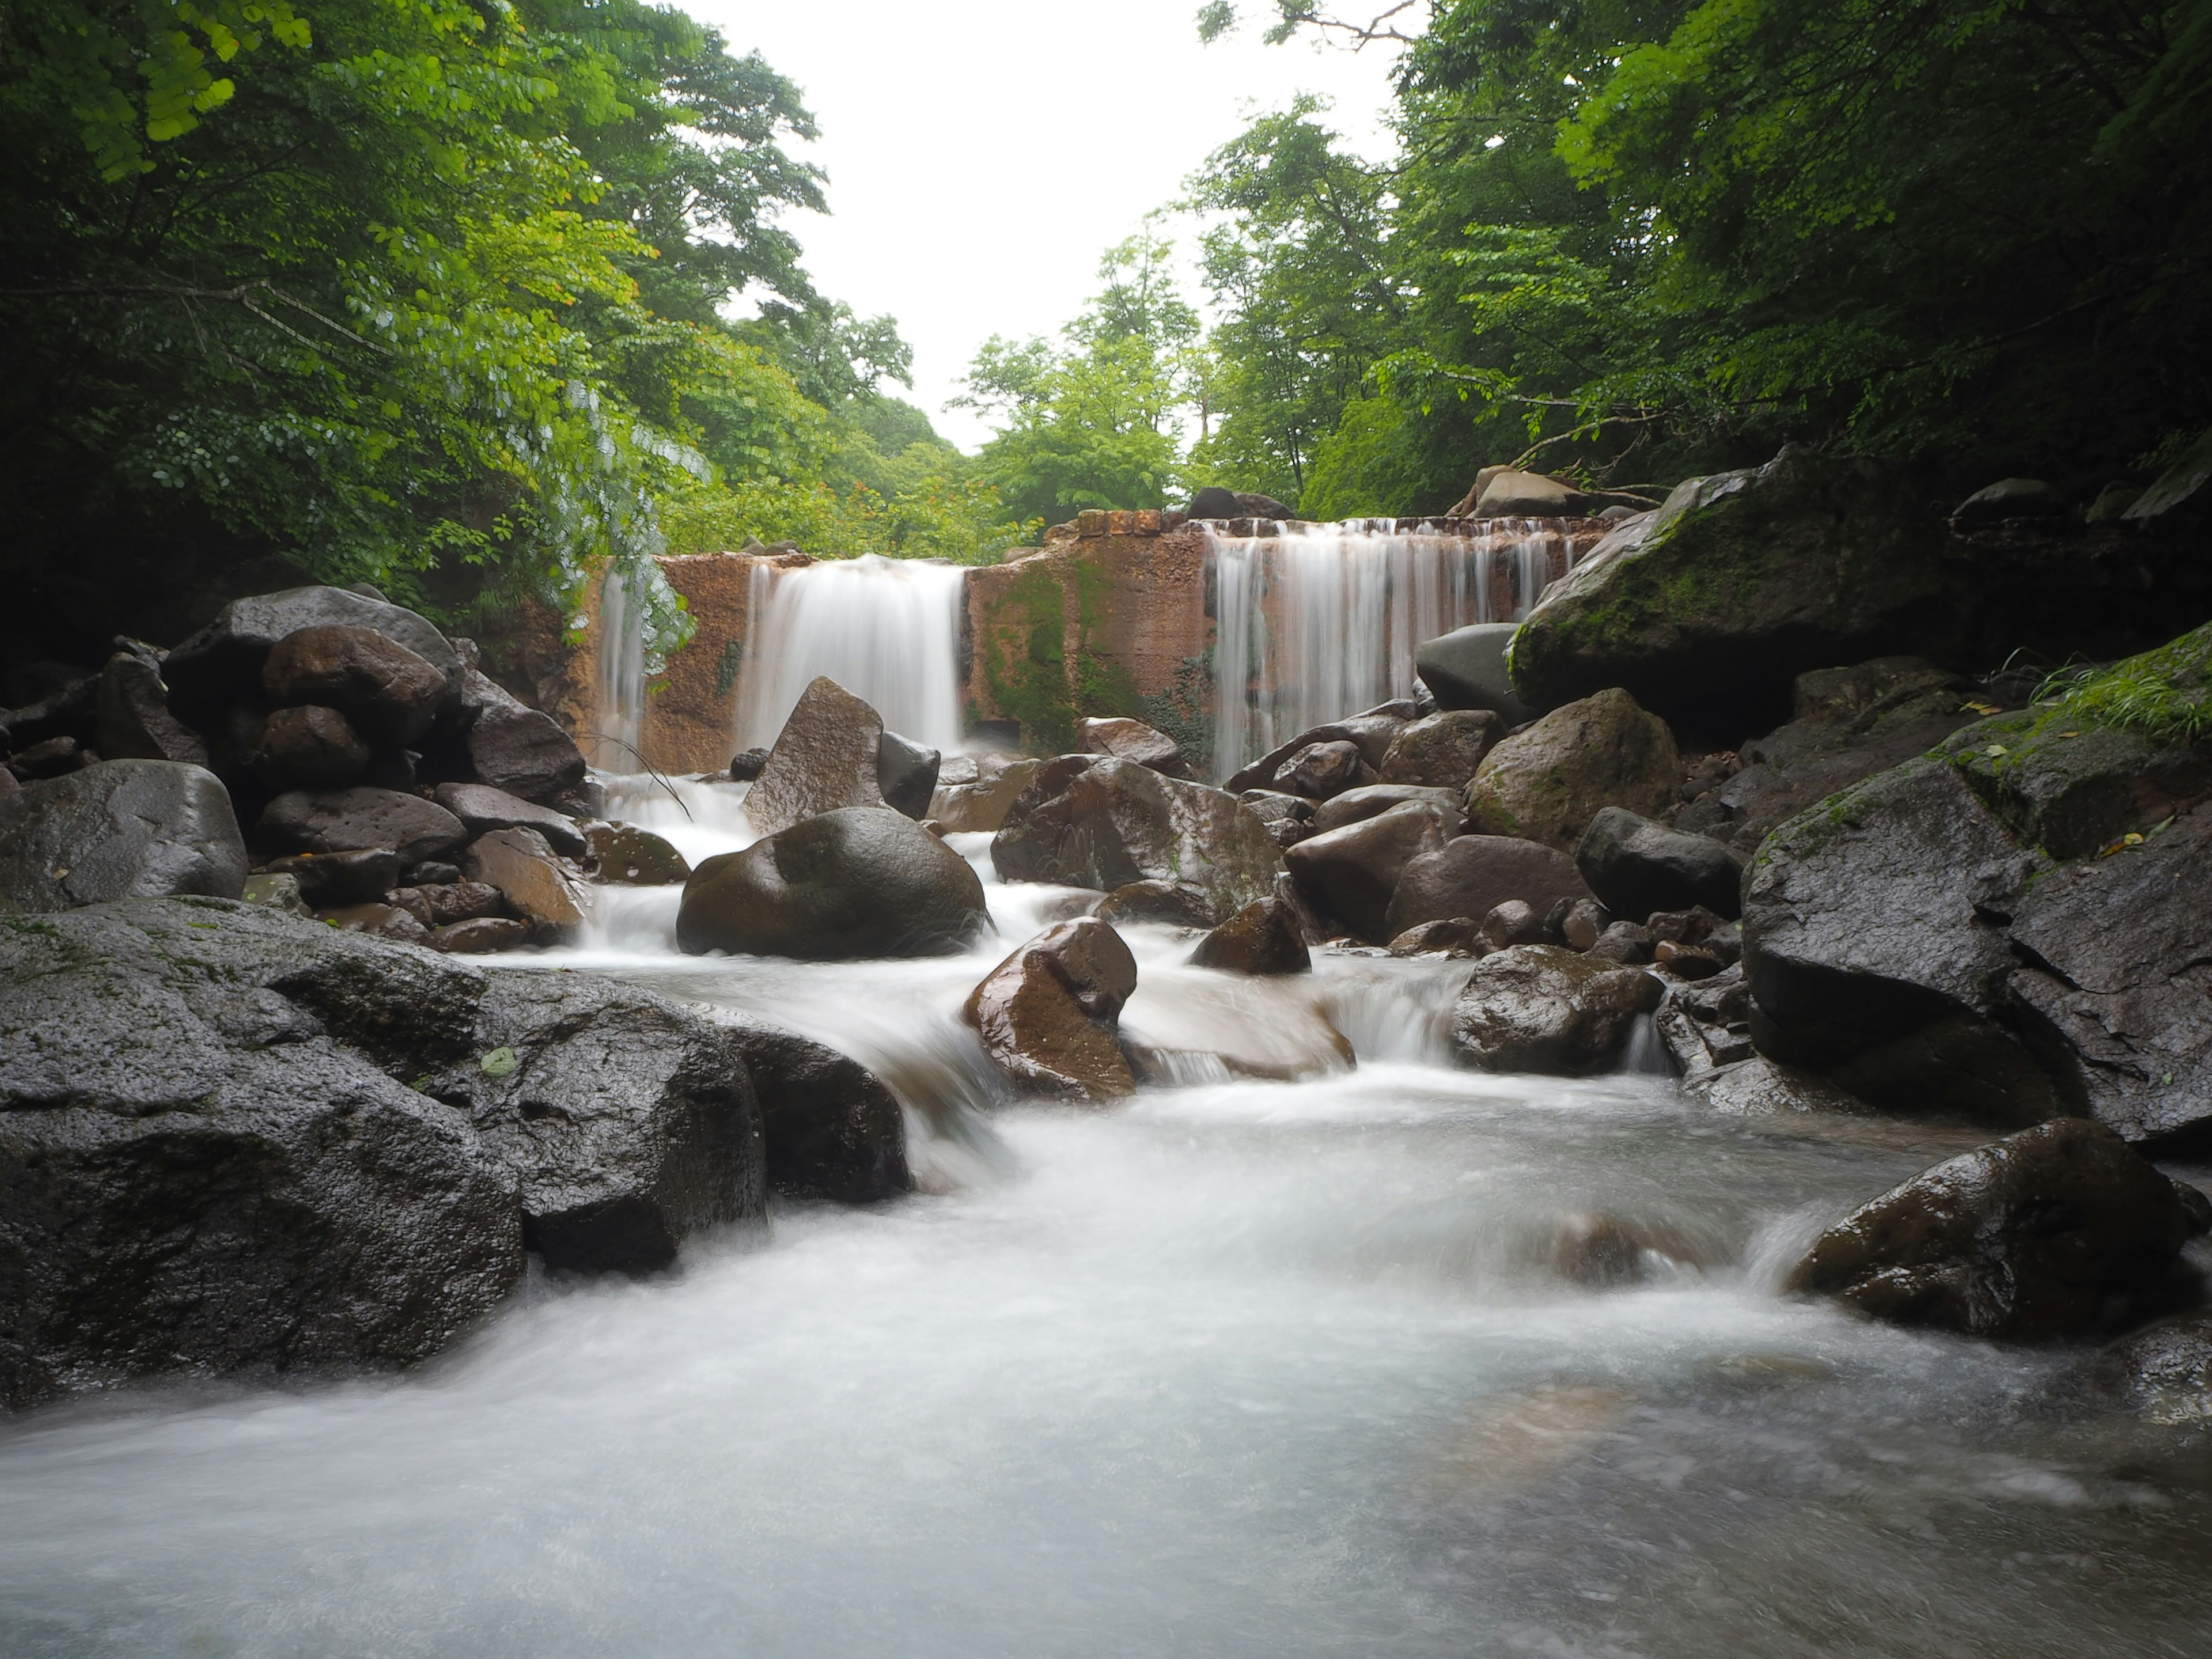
[[631, 857], [1689, 961], [345, 820], [824, 760], [1512, 923], [1372, 799], [1472, 875], [1456, 936], [389, 694], [1585, 921], [327, 880], [523, 867], [1262, 939], [1547, 782], [308, 747], [1170, 903], [983, 803], [1322, 769], [384, 921], [1354, 870], [1628, 943], [449, 902], [480, 936], [1444, 750], [512, 746], [480, 807], [1542, 1008], [1132, 740], [1047, 1013]]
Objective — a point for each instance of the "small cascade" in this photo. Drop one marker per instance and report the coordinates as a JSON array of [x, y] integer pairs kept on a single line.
[[887, 631], [1317, 621], [619, 720]]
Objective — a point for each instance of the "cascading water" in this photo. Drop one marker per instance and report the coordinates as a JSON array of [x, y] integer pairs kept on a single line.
[[619, 720], [887, 631], [1314, 622]]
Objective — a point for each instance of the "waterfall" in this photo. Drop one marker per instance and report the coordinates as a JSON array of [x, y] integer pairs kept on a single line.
[[619, 721], [887, 631], [1314, 622]]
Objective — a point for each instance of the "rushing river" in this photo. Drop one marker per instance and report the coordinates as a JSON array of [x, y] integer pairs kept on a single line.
[[1246, 1367]]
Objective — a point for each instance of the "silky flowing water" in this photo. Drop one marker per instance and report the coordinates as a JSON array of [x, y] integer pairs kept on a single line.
[[1242, 1368]]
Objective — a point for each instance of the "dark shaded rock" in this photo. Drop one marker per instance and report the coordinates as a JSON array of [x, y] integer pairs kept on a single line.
[[1047, 1013], [1698, 926], [461, 901], [1263, 938], [1443, 750], [1547, 782], [1456, 936], [2162, 1373], [633, 857], [1215, 501], [1705, 1021], [121, 829], [745, 765], [833, 1130], [1371, 732], [2185, 487], [480, 936], [1372, 799], [56, 757], [390, 921], [1512, 923], [194, 1174], [1353, 872], [133, 721], [906, 773], [1104, 824], [1466, 669], [1133, 741], [388, 693], [480, 808], [222, 664], [431, 873], [2010, 498], [863, 881], [1624, 942], [1685, 961], [1584, 922], [2071, 787], [393, 769], [1473, 875], [2047, 1232], [1289, 818], [530, 879], [825, 759], [1709, 607], [1636, 866], [1322, 769], [347, 820], [70, 710], [1250, 504], [1541, 1008], [327, 880], [308, 747], [510, 746], [1171, 903]]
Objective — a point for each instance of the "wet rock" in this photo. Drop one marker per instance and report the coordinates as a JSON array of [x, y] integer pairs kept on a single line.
[[833, 1131], [1289, 818], [511, 747], [480, 808], [222, 664], [1105, 823], [1473, 875], [308, 747], [1171, 903], [70, 710], [2162, 1373], [1353, 872], [386, 692], [389, 921], [1625, 942], [1456, 936], [277, 891], [1512, 923], [1047, 1013], [906, 774], [825, 759], [1371, 732], [123, 828], [1709, 607], [56, 757], [1547, 782], [201, 1178], [1698, 926], [1541, 1008], [2010, 498], [746, 764], [327, 880], [1262, 939], [1757, 1086], [133, 721], [632, 857], [1685, 961], [1134, 741], [1604, 1250], [863, 881], [480, 936], [2182, 488], [349, 820], [2046, 1232], [531, 879], [1371, 800], [451, 901], [1322, 769], [1443, 750], [983, 804], [2072, 788], [1636, 866], [431, 873], [1466, 669], [1584, 923]]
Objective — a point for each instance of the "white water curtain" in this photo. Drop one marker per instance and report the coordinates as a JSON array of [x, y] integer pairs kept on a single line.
[[887, 631], [618, 721]]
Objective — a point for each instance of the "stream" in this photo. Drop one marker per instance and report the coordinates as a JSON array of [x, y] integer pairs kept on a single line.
[[1246, 1367]]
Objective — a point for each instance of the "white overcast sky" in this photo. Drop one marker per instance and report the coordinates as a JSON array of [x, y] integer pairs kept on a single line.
[[980, 154]]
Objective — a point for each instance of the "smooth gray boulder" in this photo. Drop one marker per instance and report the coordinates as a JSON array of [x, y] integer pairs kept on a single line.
[[861, 881], [1352, 872], [1546, 783], [350, 820], [1544, 1009], [480, 808], [1133, 741], [1472, 875], [1466, 669], [1636, 866], [124, 829], [2162, 1373], [1372, 799]]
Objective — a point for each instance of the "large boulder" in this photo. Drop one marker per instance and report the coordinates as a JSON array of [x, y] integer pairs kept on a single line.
[[1472, 875], [1321, 770], [344, 820], [1466, 669], [1133, 741], [833, 1130], [2047, 1232], [825, 759], [200, 1172], [308, 747], [1709, 606], [1443, 750], [388, 693], [982, 803], [133, 721], [1047, 1013], [1261, 940], [480, 808], [862, 881], [124, 828], [1636, 866], [222, 664], [1541, 1008], [906, 773], [1546, 783], [1105, 823], [1352, 872], [1373, 799], [499, 740], [528, 876]]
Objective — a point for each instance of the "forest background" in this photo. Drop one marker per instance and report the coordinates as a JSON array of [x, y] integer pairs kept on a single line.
[[440, 294]]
